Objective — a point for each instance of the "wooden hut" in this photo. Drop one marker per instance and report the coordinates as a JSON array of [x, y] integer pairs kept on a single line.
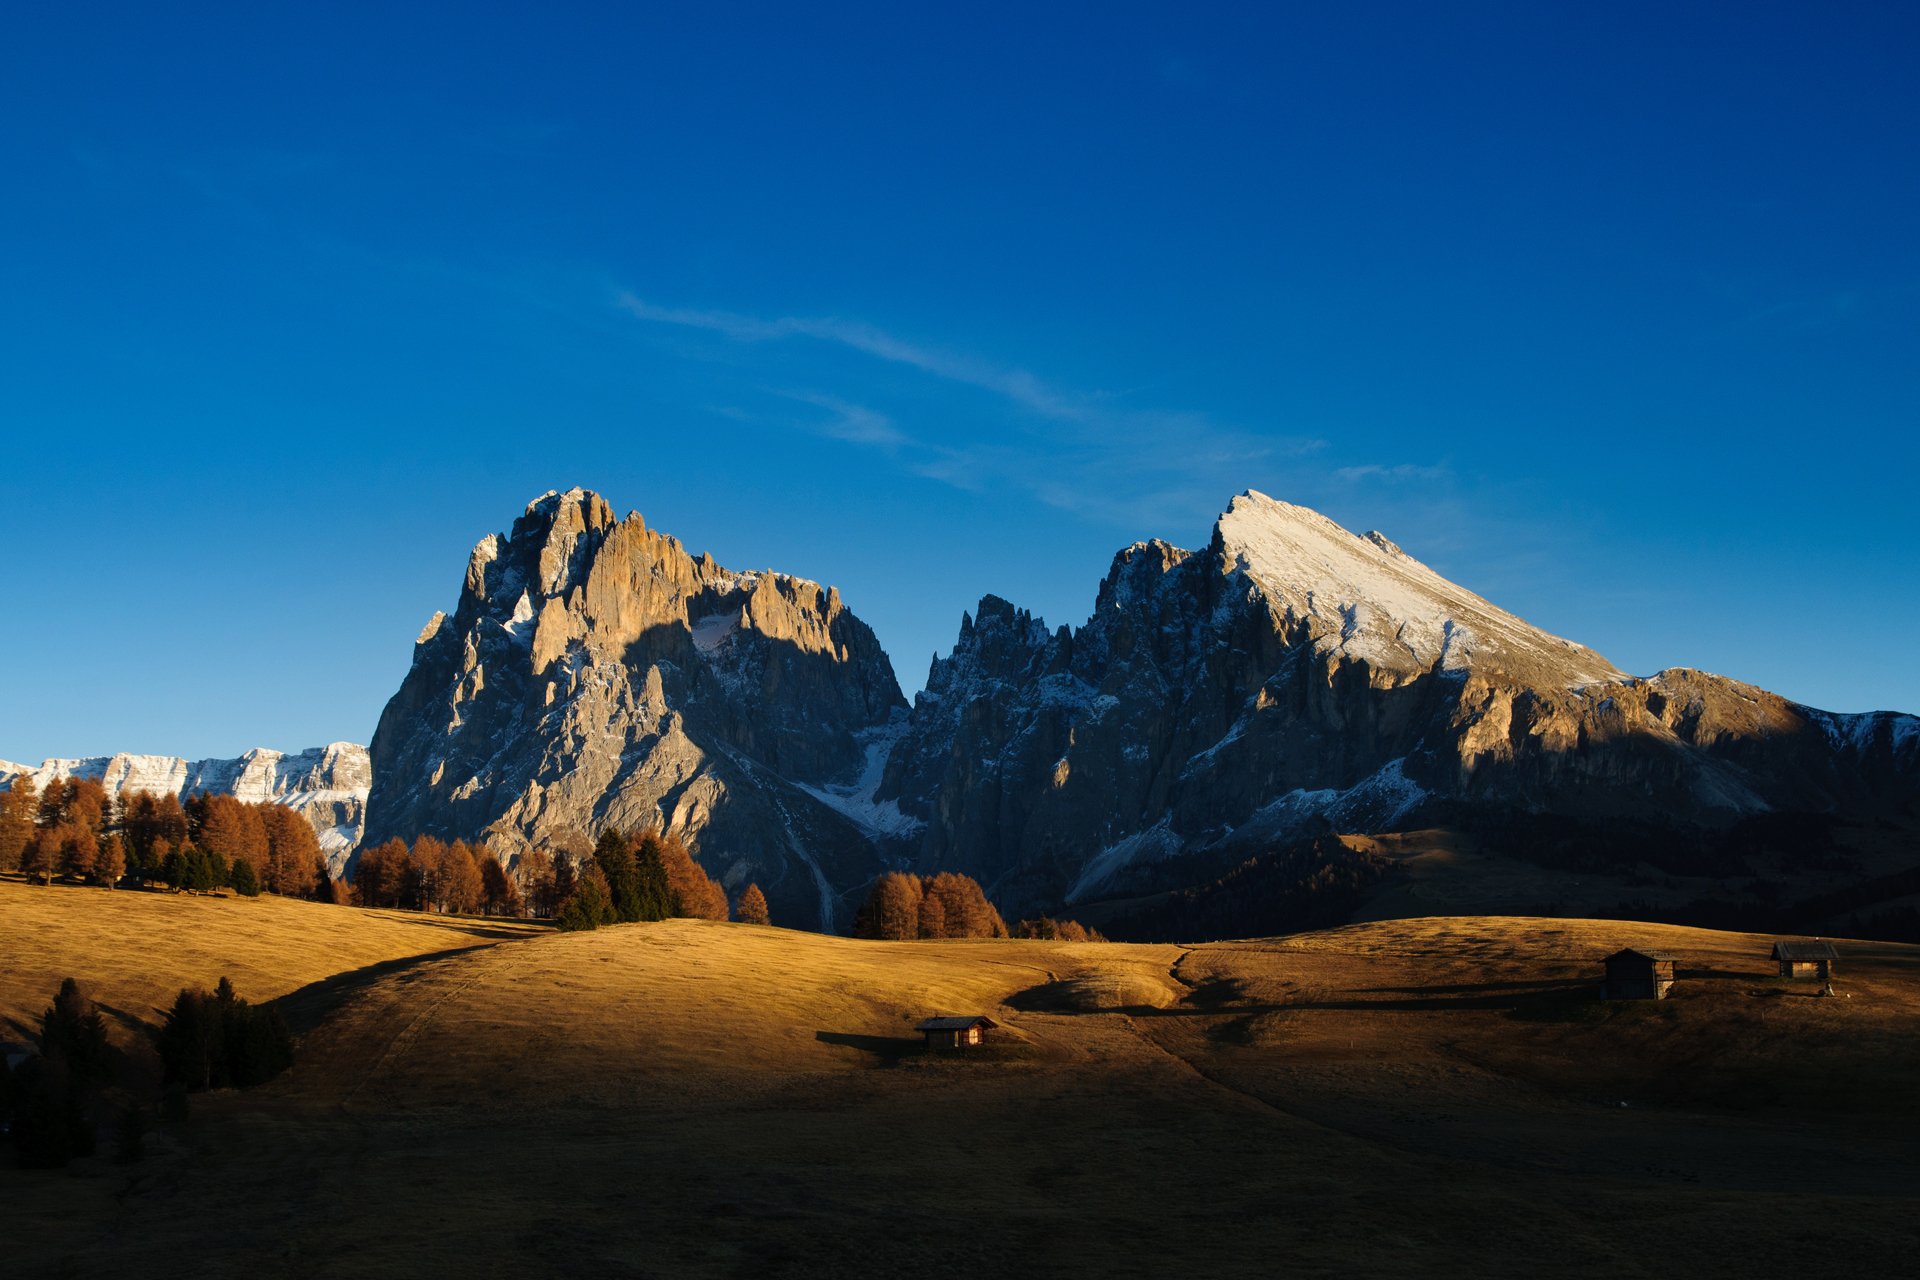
[[956, 1033], [1638, 975], [1805, 959]]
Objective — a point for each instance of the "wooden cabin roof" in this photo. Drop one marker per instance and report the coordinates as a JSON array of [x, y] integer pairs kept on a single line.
[[1816, 950], [955, 1024], [1630, 954]]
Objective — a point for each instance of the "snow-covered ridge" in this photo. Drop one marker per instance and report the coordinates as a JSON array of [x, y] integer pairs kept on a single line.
[[328, 785], [1366, 599]]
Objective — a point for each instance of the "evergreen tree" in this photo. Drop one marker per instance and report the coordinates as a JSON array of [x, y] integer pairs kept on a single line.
[[73, 1029], [566, 874], [244, 882], [752, 907], [173, 867], [613, 855], [652, 889], [589, 906]]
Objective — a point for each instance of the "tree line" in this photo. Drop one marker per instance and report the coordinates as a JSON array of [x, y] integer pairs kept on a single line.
[[78, 831], [902, 906], [649, 876], [54, 1101]]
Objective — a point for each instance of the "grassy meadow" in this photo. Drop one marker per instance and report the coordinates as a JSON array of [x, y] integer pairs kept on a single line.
[[702, 1099]]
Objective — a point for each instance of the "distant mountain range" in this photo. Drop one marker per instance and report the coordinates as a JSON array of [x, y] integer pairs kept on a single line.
[[1289, 683], [327, 784]]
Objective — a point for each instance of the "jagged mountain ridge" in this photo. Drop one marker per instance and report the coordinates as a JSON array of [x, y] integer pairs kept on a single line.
[[1296, 678], [595, 674], [328, 785], [1290, 679]]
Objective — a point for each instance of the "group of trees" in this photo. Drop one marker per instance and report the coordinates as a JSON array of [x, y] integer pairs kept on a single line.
[[452, 877], [1048, 928], [53, 1096], [54, 1099], [650, 876], [77, 830], [948, 905], [645, 877], [220, 1041]]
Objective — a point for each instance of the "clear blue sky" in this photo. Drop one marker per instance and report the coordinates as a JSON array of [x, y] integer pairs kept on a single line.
[[1608, 312]]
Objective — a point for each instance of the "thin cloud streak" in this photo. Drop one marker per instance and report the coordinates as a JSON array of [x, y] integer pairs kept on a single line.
[[1094, 458]]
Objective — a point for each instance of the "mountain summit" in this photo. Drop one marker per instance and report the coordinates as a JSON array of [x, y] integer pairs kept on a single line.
[[1291, 682], [1363, 598], [595, 674]]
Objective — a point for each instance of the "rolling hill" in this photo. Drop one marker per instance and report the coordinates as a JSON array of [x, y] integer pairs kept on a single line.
[[692, 1098]]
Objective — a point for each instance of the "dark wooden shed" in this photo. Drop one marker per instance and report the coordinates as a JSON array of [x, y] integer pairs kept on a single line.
[[1805, 959], [1638, 975], [956, 1033]]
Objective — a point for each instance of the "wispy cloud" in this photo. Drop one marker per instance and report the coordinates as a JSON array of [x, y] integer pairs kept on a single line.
[[1015, 384], [1091, 453], [1400, 471], [853, 423]]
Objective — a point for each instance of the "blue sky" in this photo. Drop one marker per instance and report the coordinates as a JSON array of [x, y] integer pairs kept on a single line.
[[1609, 313]]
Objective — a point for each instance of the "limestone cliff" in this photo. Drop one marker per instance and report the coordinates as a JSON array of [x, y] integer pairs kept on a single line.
[[595, 674], [1295, 678], [327, 784]]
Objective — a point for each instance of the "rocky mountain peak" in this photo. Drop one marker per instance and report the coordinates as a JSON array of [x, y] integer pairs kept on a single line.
[[596, 674], [1365, 599]]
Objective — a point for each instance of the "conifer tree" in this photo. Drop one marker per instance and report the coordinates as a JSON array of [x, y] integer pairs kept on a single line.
[[79, 849], [42, 855], [19, 804], [752, 907], [244, 882], [501, 895], [653, 891], [112, 863], [462, 888], [933, 916], [614, 856], [589, 906], [892, 908], [74, 1029], [692, 892], [536, 872]]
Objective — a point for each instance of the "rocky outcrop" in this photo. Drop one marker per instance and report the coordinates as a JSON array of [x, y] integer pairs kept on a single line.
[[1289, 681], [326, 784], [1295, 678], [595, 674]]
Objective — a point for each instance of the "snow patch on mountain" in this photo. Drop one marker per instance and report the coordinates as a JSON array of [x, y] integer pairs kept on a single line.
[[1366, 599], [855, 800]]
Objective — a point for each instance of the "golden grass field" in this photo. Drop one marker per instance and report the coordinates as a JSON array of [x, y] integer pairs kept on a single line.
[[1400, 1098]]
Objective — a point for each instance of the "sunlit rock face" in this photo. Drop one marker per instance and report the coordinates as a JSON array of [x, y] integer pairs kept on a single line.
[[1290, 679], [328, 785], [1295, 678], [595, 674]]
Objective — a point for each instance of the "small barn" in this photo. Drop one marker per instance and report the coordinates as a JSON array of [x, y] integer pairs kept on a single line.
[[956, 1033], [1638, 975], [1805, 959]]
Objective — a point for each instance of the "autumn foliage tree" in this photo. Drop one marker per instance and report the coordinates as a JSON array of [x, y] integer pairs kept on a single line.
[[902, 906], [691, 891], [379, 873], [752, 907], [19, 806]]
